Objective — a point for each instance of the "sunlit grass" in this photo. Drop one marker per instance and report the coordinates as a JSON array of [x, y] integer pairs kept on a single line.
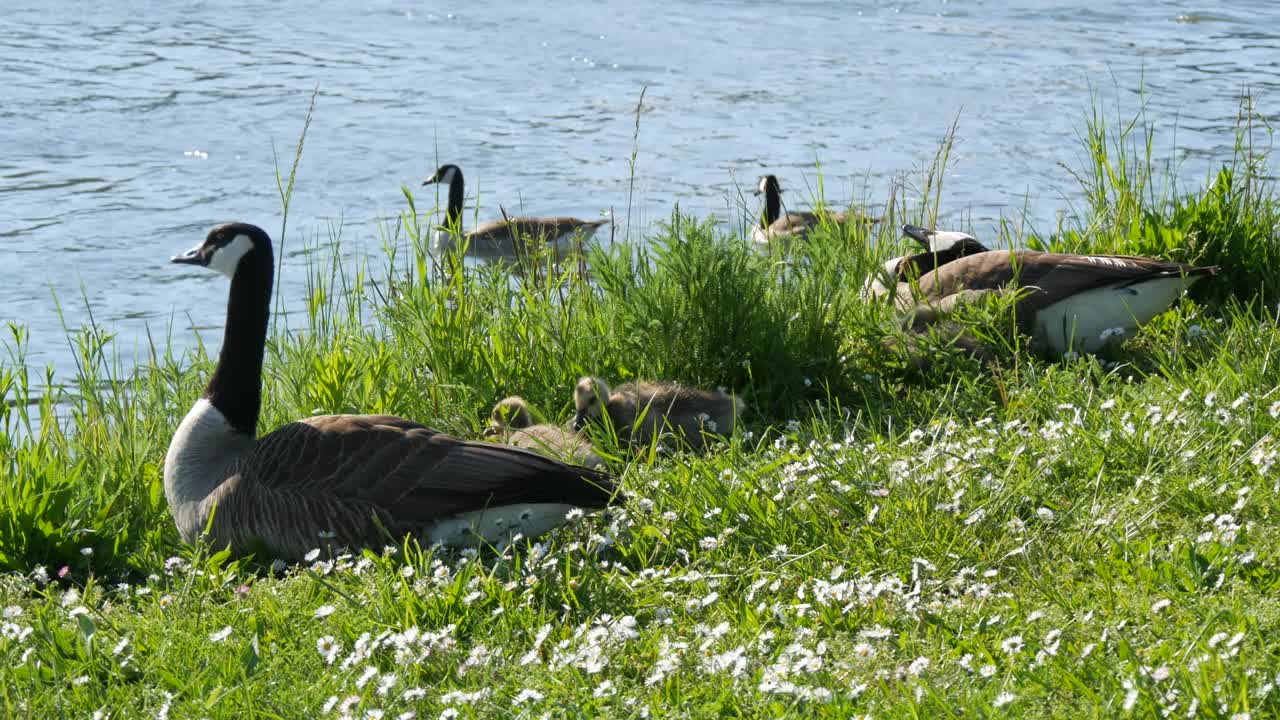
[[882, 536]]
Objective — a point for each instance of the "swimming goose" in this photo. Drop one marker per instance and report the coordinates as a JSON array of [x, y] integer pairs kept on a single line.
[[507, 239], [351, 480], [512, 421], [940, 248], [659, 406], [777, 227], [1067, 302]]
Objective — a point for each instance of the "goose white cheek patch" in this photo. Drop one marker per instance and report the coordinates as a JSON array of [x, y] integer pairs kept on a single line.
[[947, 239], [226, 258]]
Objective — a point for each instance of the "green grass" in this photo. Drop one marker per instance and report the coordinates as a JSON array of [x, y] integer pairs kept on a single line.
[[884, 537]]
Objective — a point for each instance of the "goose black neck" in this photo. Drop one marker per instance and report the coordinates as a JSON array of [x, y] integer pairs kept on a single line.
[[453, 211], [236, 386], [919, 264], [772, 204]]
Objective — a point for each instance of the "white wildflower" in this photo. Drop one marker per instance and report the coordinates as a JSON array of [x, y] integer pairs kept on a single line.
[[219, 636], [1012, 644], [328, 649], [324, 611]]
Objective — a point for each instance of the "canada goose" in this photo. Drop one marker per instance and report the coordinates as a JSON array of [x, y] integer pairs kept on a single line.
[[1066, 302], [354, 480], [940, 248], [506, 239], [512, 420], [775, 226], [955, 242], [658, 406]]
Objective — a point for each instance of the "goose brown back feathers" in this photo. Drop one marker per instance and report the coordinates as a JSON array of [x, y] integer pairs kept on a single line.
[[1046, 277], [346, 477]]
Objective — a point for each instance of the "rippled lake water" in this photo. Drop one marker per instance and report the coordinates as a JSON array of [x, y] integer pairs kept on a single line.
[[129, 130]]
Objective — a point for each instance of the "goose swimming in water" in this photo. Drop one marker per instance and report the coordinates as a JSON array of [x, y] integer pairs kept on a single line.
[[508, 239], [348, 480], [1066, 302], [778, 227]]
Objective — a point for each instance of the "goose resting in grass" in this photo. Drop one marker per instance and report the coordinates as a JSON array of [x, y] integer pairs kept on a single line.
[[642, 410], [778, 227], [514, 238], [512, 421], [940, 248], [343, 480], [1067, 303]]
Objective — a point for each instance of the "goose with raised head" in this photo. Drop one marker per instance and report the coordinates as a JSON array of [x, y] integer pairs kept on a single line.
[[1065, 302], [940, 248], [507, 239], [776, 226], [345, 480], [640, 411], [512, 421]]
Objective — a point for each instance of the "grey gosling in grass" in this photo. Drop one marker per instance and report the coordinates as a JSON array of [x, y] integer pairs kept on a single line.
[[342, 480], [512, 421], [507, 239], [777, 227], [1066, 302], [641, 411]]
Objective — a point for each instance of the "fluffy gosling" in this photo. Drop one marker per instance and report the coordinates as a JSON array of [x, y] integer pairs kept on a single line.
[[512, 421], [641, 411]]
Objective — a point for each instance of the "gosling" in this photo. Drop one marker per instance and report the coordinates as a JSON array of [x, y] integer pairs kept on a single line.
[[512, 421], [641, 411]]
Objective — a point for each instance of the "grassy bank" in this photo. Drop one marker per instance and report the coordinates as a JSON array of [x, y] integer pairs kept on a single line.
[[885, 537]]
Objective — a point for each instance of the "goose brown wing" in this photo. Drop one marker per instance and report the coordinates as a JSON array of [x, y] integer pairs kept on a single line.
[[410, 472], [1049, 276], [1055, 277], [532, 229]]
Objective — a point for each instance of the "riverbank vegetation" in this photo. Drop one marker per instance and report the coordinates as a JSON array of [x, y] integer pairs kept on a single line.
[[897, 530]]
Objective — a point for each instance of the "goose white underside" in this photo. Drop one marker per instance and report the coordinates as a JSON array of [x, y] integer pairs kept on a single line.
[[202, 450], [878, 282], [496, 524], [1079, 322]]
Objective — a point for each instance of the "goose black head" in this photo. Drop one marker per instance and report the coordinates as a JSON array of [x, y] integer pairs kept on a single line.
[[767, 184], [950, 242], [443, 175], [225, 246], [589, 395]]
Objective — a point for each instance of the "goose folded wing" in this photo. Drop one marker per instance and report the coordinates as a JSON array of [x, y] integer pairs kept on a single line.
[[1055, 277], [412, 472]]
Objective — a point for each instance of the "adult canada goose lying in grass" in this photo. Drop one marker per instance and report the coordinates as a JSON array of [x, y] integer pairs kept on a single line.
[[507, 239], [350, 480], [778, 227], [940, 248], [953, 242], [512, 421], [642, 410], [1066, 302]]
